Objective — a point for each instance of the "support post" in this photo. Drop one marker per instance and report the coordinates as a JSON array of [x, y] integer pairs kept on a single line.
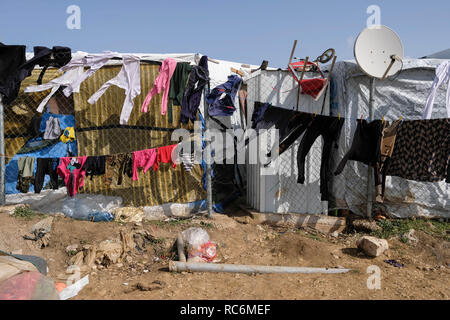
[[2, 154], [209, 199], [370, 181]]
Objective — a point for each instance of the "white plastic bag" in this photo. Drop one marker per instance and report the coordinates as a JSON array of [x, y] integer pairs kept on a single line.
[[199, 246]]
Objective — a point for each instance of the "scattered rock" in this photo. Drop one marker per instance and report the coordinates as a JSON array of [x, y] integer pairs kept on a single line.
[[373, 246], [43, 226], [409, 237], [129, 259], [72, 249], [335, 234]]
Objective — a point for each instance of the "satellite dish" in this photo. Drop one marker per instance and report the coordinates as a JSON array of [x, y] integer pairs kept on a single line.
[[378, 51]]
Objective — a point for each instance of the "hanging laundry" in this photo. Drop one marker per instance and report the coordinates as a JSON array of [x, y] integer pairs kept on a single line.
[[162, 82], [291, 124], [45, 57], [71, 170], [421, 151], [129, 79], [34, 130], [386, 148], [186, 156], [187, 159], [52, 129], [46, 166], [198, 78], [95, 62], [11, 58], [177, 88], [329, 128], [121, 163], [25, 177], [442, 77], [95, 166], [68, 135], [14, 68], [365, 146], [164, 155], [70, 76], [258, 113], [221, 98], [143, 159]]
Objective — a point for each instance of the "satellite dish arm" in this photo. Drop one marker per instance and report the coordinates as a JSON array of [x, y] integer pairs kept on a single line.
[[393, 59]]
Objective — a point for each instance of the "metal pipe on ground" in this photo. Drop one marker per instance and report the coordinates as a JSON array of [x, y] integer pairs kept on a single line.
[[180, 248], [249, 269]]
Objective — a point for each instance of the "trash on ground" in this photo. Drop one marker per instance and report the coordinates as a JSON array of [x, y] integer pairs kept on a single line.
[[199, 246], [73, 290], [395, 263]]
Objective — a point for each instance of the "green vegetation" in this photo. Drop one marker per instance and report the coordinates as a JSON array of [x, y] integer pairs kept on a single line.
[[24, 213], [398, 227]]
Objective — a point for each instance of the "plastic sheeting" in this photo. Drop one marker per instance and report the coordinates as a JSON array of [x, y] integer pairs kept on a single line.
[[403, 97]]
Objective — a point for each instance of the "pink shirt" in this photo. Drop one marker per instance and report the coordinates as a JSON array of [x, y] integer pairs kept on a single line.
[[161, 82], [143, 159], [66, 168]]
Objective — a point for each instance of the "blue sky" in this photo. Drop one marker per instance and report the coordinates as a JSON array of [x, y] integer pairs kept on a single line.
[[243, 31]]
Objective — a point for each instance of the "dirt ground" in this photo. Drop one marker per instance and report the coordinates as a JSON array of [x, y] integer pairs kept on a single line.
[[426, 274]]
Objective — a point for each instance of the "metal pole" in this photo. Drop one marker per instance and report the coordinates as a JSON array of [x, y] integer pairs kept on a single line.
[[370, 169], [2, 154], [209, 199], [179, 266]]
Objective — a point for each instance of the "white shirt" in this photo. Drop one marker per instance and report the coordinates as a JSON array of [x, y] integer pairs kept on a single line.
[[442, 76], [129, 79], [67, 78], [95, 62]]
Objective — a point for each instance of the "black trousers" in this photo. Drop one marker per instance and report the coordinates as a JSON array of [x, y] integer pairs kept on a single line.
[[46, 166], [329, 128]]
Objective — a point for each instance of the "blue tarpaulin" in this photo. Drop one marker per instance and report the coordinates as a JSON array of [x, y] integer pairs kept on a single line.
[[56, 150]]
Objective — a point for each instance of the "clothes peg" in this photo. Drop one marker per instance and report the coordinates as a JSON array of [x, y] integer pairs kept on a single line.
[[339, 115], [361, 117], [400, 118], [315, 113], [382, 119]]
